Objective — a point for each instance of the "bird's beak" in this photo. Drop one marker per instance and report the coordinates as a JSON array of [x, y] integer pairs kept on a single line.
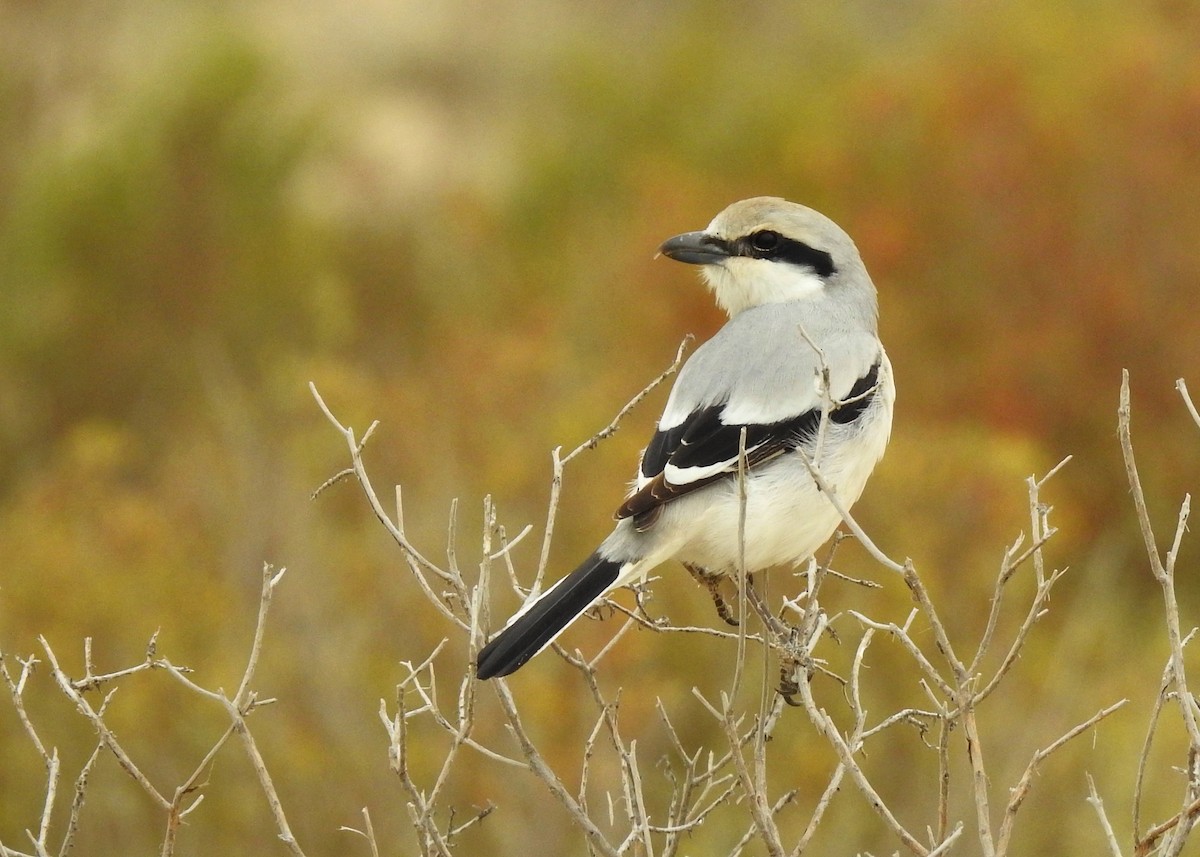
[[696, 248]]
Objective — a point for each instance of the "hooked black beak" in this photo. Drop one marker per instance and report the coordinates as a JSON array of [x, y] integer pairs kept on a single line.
[[696, 248]]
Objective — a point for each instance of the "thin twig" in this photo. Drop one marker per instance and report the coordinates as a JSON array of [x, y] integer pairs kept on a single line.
[[1181, 386], [416, 560], [860, 534], [1021, 790], [846, 753], [1097, 804], [543, 771], [16, 688], [1163, 574], [1144, 757], [106, 736]]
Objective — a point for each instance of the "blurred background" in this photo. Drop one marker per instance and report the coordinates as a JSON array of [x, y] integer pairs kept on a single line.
[[445, 214]]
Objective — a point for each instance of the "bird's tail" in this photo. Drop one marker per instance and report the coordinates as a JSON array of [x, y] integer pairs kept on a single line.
[[539, 623]]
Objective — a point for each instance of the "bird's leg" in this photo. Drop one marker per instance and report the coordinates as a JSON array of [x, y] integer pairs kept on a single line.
[[712, 582]]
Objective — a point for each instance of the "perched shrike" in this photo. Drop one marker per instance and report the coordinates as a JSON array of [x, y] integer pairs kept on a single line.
[[799, 366]]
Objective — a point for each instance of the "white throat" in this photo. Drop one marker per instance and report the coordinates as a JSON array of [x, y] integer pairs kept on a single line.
[[740, 283]]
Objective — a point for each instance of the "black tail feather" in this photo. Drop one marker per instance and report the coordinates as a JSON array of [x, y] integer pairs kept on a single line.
[[549, 615]]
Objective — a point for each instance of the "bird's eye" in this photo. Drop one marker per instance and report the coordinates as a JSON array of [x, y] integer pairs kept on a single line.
[[765, 241]]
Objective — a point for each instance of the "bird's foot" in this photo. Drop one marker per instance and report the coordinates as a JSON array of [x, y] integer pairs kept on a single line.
[[788, 684]]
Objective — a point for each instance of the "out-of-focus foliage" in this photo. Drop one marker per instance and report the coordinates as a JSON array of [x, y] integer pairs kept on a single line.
[[446, 215]]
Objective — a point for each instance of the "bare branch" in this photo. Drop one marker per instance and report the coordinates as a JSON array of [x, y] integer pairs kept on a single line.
[[611, 429], [1021, 791], [558, 462], [77, 800], [106, 736], [16, 689], [846, 753], [416, 560], [1163, 574], [1187, 401], [1098, 805], [848, 519], [546, 774], [367, 833]]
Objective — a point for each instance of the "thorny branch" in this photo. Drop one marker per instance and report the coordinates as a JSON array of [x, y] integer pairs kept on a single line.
[[188, 795], [1169, 837]]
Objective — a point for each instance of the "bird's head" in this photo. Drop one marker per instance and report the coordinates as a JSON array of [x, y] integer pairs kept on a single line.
[[768, 250]]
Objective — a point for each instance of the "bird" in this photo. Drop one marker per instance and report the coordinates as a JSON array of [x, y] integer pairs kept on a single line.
[[798, 370]]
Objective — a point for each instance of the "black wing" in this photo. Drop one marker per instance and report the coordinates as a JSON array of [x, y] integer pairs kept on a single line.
[[709, 448]]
